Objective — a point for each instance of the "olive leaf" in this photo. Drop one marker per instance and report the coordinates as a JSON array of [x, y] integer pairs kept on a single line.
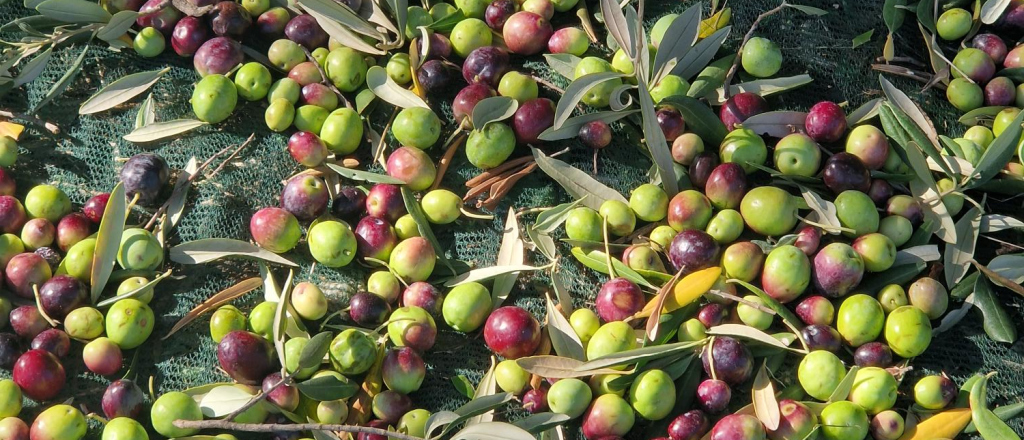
[[108, 240], [463, 386], [493, 109], [363, 176], [923, 253], [138, 291], [577, 183], [863, 38], [981, 115], [385, 88], [118, 25], [222, 297], [73, 11], [575, 92], [827, 212], [452, 419], [679, 38], [753, 334], [328, 387], [893, 14], [543, 243], [999, 222], [1005, 413], [563, 63], [698, 57], [314, 351], [788, 316], [558, 367], [955, 316], [778, 124], [571, 127], [223, 400], [488, 386], [711, 78], [764, 87], [655, 140], [492, 431], [551, 219], [996, 321], [146, 114], [540, 422], [597, 260], [766, 408], [809, 10], [842, 390], [998, 153], [992, 10], [162, 130], [486, 273], [62, 84], [563, 337], [1014, 73], [342, 14], [511, 252], [343, 34], [630, 357], [618, 27], [957, 257], [988, 424], [865, 112], [120, 91], [209, 249], [894, 275], [1009, 266], [561, 292], [916, 124], [699, 118], [32, 69], [448, 22]]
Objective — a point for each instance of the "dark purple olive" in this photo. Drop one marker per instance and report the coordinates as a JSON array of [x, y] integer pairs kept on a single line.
[[368, 310], [349, 204], [245, 357], [693, 250], [596, 134], [821, 337], [10, 350], [123, 398], [713, 395], [159, 14], [218, 55], [845, 171], [873, 354], [712, 314], [440, 47], [229, 19], [54, 341], [434, 76], [701, 167], [189, 34], [498, 12], [733, 362], [62, 294], [485, 65], [880, 191], [304, 29]]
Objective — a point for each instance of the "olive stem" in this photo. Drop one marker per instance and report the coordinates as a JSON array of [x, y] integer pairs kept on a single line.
[[49, 126], [442, 167], [285, 379], [474, 215], [607, 251], [747, 37], [282, 427]]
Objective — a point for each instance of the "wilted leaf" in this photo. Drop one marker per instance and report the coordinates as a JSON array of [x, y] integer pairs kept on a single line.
[[209, 249], [222, 297], [778, 124], [577, 183]]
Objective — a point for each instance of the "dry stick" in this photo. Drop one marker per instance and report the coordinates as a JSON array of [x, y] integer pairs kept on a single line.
[[502, 189], [446, 160], [257, 399], [907, 73], [324, 80], [747, 37], [49, 126], [481, 188], [498, 170], [199, 172], [282, 427], [548, 84]]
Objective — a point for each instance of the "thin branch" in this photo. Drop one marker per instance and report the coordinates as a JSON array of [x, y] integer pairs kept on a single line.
[[259, 397], [746, 38], [324, 80], [49, 126], [281, 427]]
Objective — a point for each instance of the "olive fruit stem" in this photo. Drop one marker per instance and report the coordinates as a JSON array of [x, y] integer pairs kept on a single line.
[[747, 37], [442, 167], [282, 427], [607, 251]]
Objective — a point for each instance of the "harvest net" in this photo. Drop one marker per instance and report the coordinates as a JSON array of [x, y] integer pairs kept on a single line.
[[86, 158]]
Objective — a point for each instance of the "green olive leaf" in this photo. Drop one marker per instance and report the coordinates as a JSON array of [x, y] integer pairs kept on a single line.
[[563, 337], [1009, 266], [540, 422], [551, 219], [577, 89], [618, 27], [448, 22], [146, 114], [577, 183], [893, 14], [118, 25], [511, 252], [492, 431], [571, 127], [699, 118], [563, 63], [955, 316], [108, 241], [493, 109], [385, 88], [559, 367], [864, 113], [343, 15], [363, 176], [998, 153], [957, 257], [452, 419], [981, 115], [778, 124], [597, 260], [120, 91], [711, 78], [698, 57], [992, 10], [328, 387], [901, 274], [62, 84], [314, 351], [842, 390], [223, 400], [788, 316], [863, 38], [752, 334], [1005, 413], [630, 357], [996, 321], [678, 40], [988, 424], [923, 253], [463, 386], [162, 130], [134, 292], [209, 249], [488, 386], [74, 11], [999, 222], [32, 69], [764, 87]]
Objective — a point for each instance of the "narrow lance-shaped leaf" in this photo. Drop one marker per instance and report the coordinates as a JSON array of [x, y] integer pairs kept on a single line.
[[108, 240], [860, 39], [699, 118], [342, 14], [551, 219], [118, 25], [677, 41], [776, 124], [488, 386], [209, 249], [563, 63], [314, 351], [981, 115], [222, 297], [958, 256], [866, 111], [842, 390], [563, 338], [576, 182], [764, 87], [656, 142], [343, 35], [493, 109], [997, 322], [914, 121], [328, 387], [575, 92], [74, 11], [32, 69], [998, 153], [992, 10], [146, 114], [162, 130], [363, 176], [571, 127], [988, 424], [120, 91], [64, 81], [765, 406], [378, 81], [559, 367], [701, 54], [618, 27], [511, 252]]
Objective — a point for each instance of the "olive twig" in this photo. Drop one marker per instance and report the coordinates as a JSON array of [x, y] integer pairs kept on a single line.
[[746, 38], [49, 126], [446, 160], [262, 394], [281, 427]]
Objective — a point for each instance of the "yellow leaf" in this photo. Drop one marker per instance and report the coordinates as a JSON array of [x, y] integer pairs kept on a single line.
[[946, 424], [687, 290], [11, 130], [715, 22]]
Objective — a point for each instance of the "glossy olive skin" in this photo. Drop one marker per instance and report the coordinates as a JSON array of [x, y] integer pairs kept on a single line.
[[122, 398], [733, 362], [246, 357], [39, 374], [512, 332]]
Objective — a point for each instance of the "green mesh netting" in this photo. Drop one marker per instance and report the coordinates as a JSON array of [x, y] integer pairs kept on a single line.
[[85, 159]]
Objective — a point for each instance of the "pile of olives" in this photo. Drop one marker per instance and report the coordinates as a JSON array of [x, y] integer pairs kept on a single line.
[[46, 260]]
